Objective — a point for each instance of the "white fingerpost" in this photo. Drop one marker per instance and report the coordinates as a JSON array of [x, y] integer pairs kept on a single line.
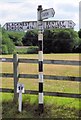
[[20, 90], [41, 15], [40, 57]]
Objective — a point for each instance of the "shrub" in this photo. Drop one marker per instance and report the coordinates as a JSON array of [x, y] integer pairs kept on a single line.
[[32, 50], [77, 49], [21, 50], [30, 38], [47, 42], [8, 45], [79, 33], [16, 37], [4, 49], [60, 40]]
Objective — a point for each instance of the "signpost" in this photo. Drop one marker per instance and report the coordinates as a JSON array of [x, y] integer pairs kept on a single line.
[[20, 90], [42, 14]]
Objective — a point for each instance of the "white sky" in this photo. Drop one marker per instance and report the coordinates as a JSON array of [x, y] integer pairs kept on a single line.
[[24, 10]]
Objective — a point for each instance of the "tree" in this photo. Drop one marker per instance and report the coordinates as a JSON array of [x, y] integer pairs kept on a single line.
[[47, 42], [55, 40], [79, 33], [77, 48], [16, 37], [7, 45], [64, 40], [30, 38]]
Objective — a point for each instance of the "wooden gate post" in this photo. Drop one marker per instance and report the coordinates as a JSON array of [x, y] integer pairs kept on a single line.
[[15, 75]]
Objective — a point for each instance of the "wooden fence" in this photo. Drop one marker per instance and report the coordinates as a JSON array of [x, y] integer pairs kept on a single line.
[[15, 60]]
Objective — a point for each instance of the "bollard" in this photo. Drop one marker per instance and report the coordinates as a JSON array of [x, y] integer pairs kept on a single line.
[[20, 90]]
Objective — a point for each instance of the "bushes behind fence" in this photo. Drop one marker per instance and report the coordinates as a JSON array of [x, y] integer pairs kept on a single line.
[[54, 41]]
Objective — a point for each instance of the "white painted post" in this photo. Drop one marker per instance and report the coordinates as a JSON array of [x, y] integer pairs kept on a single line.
[[20, 101], [20, 90]]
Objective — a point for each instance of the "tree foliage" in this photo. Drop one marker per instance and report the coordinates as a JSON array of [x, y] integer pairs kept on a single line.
[[16, 37], [54, 40], [8, 46], [77, 48], [30, 38], [79, 33], [60, 40]]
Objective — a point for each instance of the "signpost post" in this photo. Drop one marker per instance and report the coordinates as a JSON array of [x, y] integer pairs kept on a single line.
[[20, 90], [41, 15]]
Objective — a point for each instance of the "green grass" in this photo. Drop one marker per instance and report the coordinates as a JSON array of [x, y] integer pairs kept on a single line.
[[51, 86], [48, 56], [54, 107]]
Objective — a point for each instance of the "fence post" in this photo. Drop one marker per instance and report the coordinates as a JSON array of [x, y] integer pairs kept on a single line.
[[15, 75]]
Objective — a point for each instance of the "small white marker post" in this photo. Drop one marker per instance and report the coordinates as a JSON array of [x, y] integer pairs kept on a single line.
[[20, 90], [20, 101]]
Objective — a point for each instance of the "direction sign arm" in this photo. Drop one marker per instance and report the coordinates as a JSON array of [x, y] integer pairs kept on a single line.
[[47, 13]]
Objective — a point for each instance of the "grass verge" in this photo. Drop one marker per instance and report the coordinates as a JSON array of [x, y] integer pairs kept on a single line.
[[54, 107]]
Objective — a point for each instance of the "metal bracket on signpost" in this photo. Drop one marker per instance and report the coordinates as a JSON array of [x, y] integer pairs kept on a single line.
[[20, 90]]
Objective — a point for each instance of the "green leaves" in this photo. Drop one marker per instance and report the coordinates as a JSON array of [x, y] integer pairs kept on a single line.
[[60, 40], [30, 38], [16, 37], [8, 46], [79, 33], [54, 40]]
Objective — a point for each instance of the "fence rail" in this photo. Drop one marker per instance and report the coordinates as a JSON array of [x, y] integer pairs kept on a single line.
[[62, 62], [59, 94], [50, 77], [15, 60]]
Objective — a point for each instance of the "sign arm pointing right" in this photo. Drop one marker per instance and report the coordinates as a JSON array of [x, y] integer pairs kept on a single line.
[[47, 13]]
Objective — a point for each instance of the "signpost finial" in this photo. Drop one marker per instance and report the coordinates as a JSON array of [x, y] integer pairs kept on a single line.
[[39, 7]]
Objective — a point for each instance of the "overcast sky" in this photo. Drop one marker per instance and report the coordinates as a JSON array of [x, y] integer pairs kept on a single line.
[[24, 10]]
